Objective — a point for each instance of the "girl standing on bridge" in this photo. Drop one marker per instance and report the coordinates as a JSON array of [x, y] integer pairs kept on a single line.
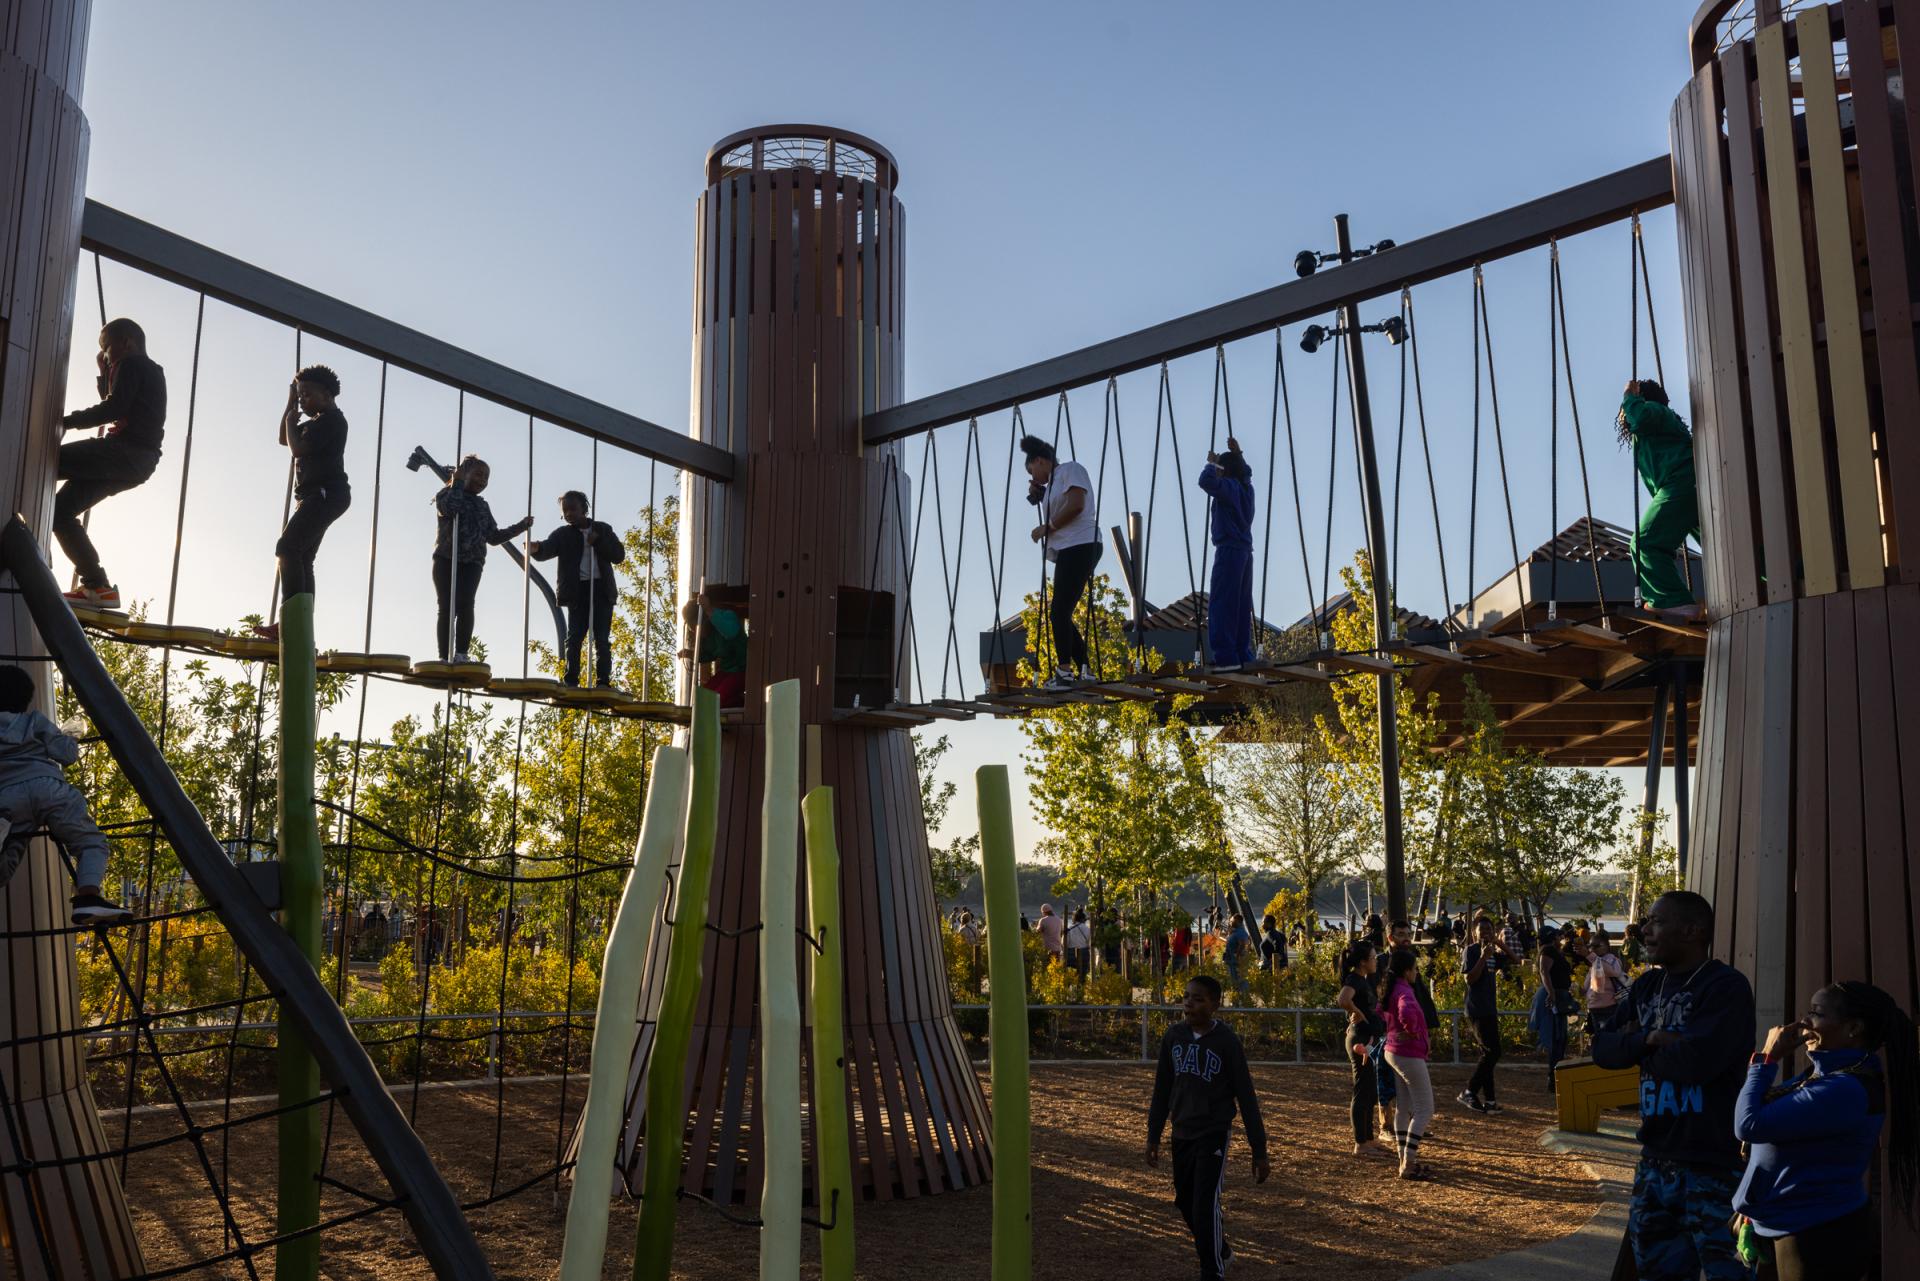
[[319, 446], [1663, 455], [1228, 482]]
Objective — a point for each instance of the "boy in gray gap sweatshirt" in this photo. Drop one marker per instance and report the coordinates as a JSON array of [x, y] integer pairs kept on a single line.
[[1201, 1080], [34, 793]]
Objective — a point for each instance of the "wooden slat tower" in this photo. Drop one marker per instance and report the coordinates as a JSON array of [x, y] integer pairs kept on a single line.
[[56, 1220], [797, 337], [1793, 183]]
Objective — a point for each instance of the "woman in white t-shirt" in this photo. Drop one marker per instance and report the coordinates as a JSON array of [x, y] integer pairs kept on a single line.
[[1606, 980], [1064, 494]]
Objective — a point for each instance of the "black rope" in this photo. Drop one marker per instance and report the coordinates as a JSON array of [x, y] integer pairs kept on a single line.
[[1426, 449], [1579, 438], [1323, 622], [1499, 440]]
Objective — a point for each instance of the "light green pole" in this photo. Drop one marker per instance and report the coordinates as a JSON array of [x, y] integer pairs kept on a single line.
[[784, 1167], [300, 892], [666, 1073], [1006, 1031], [584, 1249], [832, 1146]]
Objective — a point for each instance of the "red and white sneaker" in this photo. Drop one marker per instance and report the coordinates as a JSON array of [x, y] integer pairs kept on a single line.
[[107, 597]]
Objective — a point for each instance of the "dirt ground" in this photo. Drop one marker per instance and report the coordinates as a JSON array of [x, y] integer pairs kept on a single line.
[[1096, 1206]]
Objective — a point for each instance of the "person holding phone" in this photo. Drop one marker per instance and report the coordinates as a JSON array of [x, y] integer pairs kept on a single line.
[[1485, 957], [318, 442], [466, 529]]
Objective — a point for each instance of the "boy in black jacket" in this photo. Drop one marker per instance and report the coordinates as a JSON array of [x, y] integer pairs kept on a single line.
[[1201, 1079], [133, 391], [585, 584], [1688, 1026]]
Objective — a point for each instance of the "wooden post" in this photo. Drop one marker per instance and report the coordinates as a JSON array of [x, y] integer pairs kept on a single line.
[[1006, 1030]]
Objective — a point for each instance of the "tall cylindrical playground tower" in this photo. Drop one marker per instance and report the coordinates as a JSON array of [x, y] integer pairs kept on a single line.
[[56, 1220], [797, 335], [1794, 170]]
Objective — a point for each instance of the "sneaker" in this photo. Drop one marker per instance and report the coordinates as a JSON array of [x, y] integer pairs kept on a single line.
[[1490, 1107], [107, 597], [91, 909], [268, 631], [462, 658], [1468, 1099]]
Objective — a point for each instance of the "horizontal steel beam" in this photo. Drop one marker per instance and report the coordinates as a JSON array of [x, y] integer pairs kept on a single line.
[[160, 252], [1645, 186]]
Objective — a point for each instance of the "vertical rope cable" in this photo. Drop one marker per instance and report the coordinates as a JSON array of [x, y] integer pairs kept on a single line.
[[1426, 449]]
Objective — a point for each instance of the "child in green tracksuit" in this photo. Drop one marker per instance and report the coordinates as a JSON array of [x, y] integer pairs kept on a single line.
[[1663, 455]]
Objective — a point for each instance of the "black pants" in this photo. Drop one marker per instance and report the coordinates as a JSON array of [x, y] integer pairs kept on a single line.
[[1365, 1087], [300, 540], [1480, 1085], [1072, 571], [601, 610], [444, 586], [94, 469], [1199, 1174], [1840, 1249]]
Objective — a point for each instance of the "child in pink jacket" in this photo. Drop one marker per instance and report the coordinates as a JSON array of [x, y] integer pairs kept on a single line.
[[1407, 1056]]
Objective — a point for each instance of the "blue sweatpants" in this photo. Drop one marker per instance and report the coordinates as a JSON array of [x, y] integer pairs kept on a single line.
[[1230, 606]]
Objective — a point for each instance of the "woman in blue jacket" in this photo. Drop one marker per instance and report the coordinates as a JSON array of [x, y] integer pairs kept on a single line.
[[1812, 1140]]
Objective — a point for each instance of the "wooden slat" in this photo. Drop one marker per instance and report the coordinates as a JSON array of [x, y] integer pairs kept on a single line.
[[1890, 947], [1812, 957], [1689, 210], [1840, 293], [1903, 623], [1767, 435], [1819, 568], [1769, 813], [1846, 880], [1735, 897], [1883, 209]]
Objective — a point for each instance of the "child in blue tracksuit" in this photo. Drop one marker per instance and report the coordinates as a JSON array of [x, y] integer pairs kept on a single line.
[[1811, 1141], [1228, 481]]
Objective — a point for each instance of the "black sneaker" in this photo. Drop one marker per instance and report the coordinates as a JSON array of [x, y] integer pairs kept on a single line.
[[1490, 1107], [1468, 1099], [91, 909]]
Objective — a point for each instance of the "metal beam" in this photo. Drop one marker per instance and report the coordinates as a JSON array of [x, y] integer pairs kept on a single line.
[[161, 253], [1645, 186]]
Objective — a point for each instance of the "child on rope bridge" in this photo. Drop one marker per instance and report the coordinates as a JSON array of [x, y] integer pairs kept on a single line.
[[466, 530], [1663, 455], [1228, 481], [722, 641], [133, 398], [319, 446], [34, 793]]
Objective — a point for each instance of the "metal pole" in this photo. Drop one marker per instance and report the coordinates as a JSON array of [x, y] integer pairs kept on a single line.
[[1680, 817], [1650, 800], [1393, 840]]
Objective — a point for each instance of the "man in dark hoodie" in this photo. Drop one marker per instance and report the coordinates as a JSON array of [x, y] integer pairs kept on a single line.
[[1201, 1080], [1688, 1025], [1228, 482], [133, 399], [588, 550]]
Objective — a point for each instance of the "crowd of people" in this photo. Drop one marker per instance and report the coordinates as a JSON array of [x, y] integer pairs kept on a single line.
[[1746, 1171]]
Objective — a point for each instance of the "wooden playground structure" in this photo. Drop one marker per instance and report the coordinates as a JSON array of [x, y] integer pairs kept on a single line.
[[1796, 711]]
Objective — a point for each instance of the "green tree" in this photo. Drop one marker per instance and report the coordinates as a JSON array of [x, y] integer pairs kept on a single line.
[[1352, 740], [1124, 788], [955, 861], [1290, 811]]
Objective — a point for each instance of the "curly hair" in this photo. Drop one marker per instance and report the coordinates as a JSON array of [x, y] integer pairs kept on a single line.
[[322, 377]]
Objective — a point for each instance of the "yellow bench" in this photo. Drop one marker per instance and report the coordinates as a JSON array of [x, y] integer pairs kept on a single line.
[[1584, 1090]]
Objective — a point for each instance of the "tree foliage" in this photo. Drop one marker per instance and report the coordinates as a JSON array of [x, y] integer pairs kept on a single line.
[[1290, 811], [956, 860]]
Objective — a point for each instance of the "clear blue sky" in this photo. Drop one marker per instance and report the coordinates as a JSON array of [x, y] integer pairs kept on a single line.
[[520, 181]]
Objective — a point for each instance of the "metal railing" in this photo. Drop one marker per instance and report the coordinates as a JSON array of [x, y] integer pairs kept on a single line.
[[1297, 1013]]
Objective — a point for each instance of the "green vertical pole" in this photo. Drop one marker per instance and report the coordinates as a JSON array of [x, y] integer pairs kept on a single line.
[[1006, 1031], [300, 892], [666, 1073], [832, 1147], [583, 1252], [783, 1168]]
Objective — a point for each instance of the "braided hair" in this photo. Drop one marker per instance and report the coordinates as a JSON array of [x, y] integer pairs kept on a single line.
[[1890, 1031]]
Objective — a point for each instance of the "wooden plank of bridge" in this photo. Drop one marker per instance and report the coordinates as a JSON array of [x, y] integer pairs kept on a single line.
[[1580, 634], [1488, 642], [1355, 662], [1432, 654]]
